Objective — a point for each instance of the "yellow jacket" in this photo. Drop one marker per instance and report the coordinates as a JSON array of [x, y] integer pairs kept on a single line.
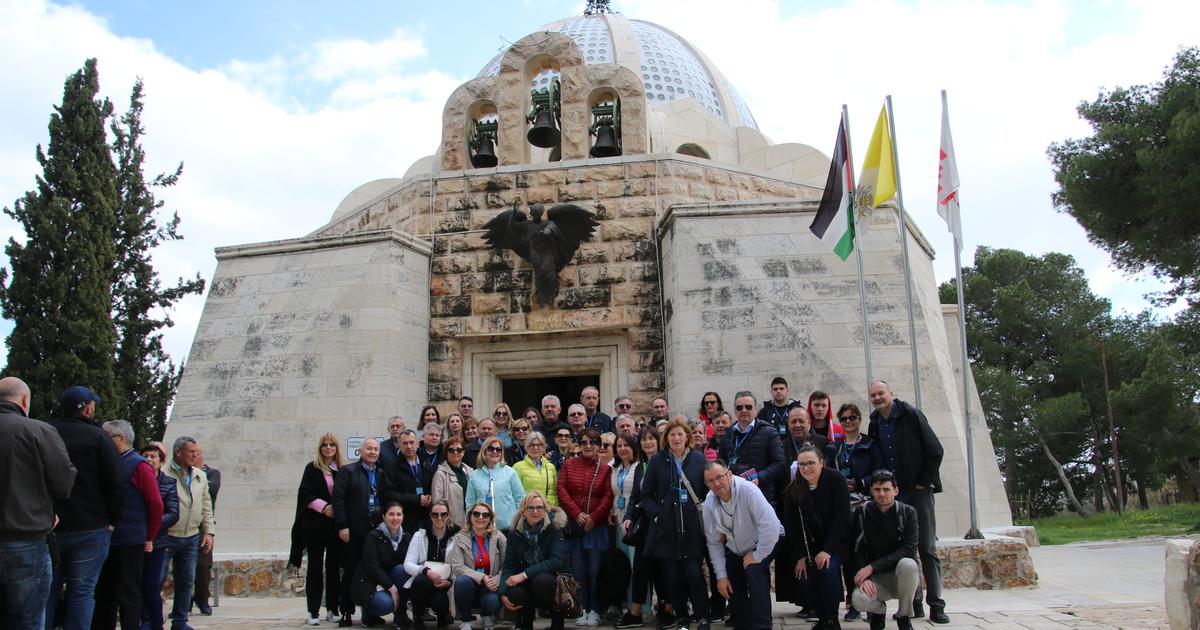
[[544, 481]]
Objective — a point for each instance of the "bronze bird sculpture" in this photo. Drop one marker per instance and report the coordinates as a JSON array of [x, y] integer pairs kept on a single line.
[[547, 244]]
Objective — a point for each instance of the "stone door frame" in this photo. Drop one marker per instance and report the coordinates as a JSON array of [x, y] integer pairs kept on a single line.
[[487, 364]]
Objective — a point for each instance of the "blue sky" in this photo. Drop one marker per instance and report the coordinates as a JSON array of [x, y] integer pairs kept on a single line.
[[279, 109]]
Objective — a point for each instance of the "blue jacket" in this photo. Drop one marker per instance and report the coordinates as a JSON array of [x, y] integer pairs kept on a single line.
[[170, 499], [506, 489], [131, 526]]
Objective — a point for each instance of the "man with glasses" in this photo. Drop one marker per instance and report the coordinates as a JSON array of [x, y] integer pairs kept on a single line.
[[389, 450], [596, 419], [752, 449], [120, 581], [741, 530], [623, 404], [577, 419], [775, 411], [913, 453], [359, 492], [466, 407]]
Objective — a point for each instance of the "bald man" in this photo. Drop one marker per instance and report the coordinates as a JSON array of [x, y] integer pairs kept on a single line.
[[359, 492], [34, 471]]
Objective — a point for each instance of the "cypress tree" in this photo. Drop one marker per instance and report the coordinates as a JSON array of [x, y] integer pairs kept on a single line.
[[60, 293], [145, 374]]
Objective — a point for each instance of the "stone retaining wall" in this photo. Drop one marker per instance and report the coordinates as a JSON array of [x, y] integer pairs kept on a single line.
[[1181, 582]]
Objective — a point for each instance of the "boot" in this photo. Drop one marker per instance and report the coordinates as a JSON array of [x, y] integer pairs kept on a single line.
[[876, 621]]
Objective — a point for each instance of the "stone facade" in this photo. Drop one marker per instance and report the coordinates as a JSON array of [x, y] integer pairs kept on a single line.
[[991, 564], [1181, 581]]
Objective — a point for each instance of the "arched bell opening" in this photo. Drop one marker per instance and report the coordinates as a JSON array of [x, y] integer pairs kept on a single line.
[[483, 132], [692, 149], [605, 129], [544, 121]]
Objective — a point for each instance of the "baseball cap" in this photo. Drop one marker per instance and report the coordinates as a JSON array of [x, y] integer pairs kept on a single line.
[[77, 397]]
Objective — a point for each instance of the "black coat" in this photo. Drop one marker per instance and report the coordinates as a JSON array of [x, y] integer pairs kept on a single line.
[[882, 539], [865, 459], [378, 560], [389, 452], [309, 526], [534, 554], [602, 423], [791, 447], [676, 530], [777, 416], [351, 492], [816, 521], [918, 450], [762, 451], [405, 485], [96, 497]]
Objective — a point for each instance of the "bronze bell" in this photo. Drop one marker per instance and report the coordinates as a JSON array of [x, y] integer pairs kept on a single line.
[[543, 133], [606, 142], [485, 155]]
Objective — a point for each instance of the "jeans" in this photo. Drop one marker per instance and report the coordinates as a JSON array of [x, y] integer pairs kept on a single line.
[[120, 585], [381, 602], [81, 555], [152, 573], [468, 594], [585, 565], [750, 606], [822, 588], [931, 566], [24, 583], [182, 555]]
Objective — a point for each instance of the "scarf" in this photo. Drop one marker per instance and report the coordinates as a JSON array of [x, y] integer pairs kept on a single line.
[[395, 540]]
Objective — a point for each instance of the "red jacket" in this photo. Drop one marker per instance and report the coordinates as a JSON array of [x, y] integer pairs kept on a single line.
[[574, 478]]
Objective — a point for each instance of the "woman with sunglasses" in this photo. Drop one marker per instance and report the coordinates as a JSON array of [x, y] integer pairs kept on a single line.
[[585, 493], [476, 556], [535, 471], [519, 431], [494, 482], [710, 406], [428, 564], [816, 516], [450, 480], [856, 455], [313, 531], [534, 558], [608, 441], [564, 441], [379, 581], [673, 495], [502, 416]]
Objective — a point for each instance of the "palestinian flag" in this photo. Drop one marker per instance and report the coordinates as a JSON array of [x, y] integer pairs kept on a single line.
[[834, 223]]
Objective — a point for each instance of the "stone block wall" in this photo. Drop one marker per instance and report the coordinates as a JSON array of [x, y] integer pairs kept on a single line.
[[299, 338], [478, 295], [1181, 582], [992, 564]]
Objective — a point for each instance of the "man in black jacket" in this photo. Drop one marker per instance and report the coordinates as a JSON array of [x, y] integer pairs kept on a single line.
[[885, 534], [359, 492], [775, 411], [912, 451], [411, 483], [87, 518], [35, 470], [752, 449], [800, 433]]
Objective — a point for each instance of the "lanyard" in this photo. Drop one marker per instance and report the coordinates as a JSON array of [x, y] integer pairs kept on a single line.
[[621, 478], [678, 467], [737, 444], [415, 470]]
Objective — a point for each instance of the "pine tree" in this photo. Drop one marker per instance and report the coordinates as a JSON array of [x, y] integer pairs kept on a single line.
[[145, 373], [60, 294]]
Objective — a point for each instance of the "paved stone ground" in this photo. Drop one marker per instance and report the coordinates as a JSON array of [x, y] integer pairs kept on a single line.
[[1088, 585]]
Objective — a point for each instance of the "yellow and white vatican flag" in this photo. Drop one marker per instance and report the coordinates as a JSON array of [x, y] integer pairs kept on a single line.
[[877, 182]]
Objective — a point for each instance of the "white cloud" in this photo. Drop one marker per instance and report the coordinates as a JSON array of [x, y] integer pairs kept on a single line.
[[344, 57]]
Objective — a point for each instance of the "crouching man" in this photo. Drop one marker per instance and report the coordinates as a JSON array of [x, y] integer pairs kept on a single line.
[[886, 535]]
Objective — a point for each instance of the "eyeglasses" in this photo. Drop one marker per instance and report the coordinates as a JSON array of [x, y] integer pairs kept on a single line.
[[562, 436], [535, 508], [605, 445], [807, 464], [501, 414], [328, 445], [487, 515], [587, 442], [625, 406], [744, 407], [849, 418], [576, 413], [494, 449], [710, 402], [454, 449], [537, 445], [515, 429], [439, 514]]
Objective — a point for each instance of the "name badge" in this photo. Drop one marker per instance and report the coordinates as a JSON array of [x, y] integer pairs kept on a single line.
[[683, 496], [620, 503], [420, 490]]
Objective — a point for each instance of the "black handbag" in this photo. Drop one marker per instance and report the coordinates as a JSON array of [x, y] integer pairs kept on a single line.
[[635, 536]]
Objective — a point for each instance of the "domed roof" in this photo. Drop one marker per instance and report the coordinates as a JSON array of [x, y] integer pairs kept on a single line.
[[670, 67]]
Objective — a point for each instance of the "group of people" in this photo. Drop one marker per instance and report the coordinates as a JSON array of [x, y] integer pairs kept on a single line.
[[91, 526], [474, 514]]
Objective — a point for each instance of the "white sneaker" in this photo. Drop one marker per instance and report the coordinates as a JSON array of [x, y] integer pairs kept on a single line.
[[314, 620], [466, 625], [332, 617], [593, 618], [489, 622], [583, 620]]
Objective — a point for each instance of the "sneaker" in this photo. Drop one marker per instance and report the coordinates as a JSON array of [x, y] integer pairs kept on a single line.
[[466, 625], [666, 620], [904, 623], [807, 613], [629, 620], [852, 614], [703, 625], [595, 619], [937, 614], [332, 616], [582, 621], [876, 621], [489, 622], [347, 621], [314, 620]]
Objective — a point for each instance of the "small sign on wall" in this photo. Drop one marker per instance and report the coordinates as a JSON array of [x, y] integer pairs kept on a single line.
[[353, 446]]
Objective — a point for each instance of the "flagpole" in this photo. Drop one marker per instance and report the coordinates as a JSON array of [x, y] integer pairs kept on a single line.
[[973, 532], [862, 283], [912, 322]]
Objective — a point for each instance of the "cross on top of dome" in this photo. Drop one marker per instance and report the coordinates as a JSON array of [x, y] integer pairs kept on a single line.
[[597, 6]]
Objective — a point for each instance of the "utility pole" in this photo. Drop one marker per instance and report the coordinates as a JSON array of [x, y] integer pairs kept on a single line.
[[1112, 434]]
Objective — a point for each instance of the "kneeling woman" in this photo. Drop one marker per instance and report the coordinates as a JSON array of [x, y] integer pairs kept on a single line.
[[476, 555], [379, 584], [816, 517], [533, 559], [427, 562]]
